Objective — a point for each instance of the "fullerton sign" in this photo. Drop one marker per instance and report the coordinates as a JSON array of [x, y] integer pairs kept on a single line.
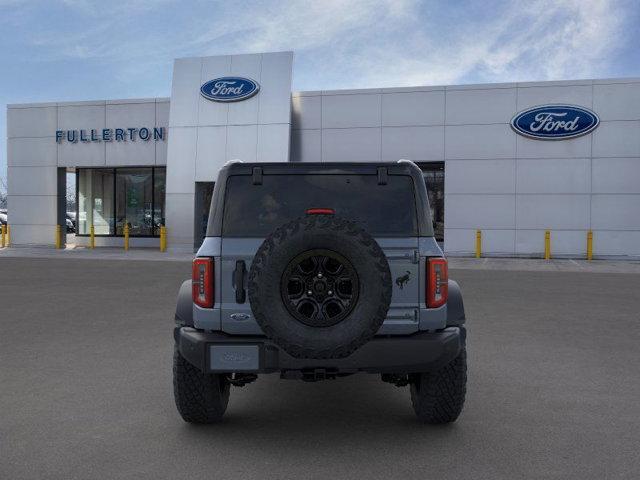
[[555, 122], [111, 135]]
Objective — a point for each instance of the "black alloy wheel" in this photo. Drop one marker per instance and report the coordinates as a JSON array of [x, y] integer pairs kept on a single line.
[[319, 288]]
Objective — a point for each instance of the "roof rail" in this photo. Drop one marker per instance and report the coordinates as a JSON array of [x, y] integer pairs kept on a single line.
[[232, 161], [411, 164], [404, 160]]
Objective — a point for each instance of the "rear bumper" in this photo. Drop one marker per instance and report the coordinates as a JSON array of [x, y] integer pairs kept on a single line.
[[218, 352]]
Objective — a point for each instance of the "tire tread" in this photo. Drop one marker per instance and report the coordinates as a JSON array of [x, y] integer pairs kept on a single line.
[[438, 397], [199, 397]]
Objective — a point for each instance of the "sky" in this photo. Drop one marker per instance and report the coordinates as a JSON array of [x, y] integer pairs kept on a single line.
[[88, 50]]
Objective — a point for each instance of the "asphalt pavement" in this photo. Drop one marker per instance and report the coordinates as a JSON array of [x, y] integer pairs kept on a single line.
[[85, 386]]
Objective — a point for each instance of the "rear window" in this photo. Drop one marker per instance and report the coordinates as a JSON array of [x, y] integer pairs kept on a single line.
[[382, 210]]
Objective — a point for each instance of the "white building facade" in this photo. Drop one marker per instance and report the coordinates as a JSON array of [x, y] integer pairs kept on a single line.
[[152, 162]]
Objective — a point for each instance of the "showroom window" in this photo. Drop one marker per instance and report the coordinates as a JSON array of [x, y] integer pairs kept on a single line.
[[433, 174], [110, 198]]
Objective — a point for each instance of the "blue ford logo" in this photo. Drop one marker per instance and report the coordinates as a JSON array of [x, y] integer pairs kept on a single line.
[[555, 122], [229, 89]]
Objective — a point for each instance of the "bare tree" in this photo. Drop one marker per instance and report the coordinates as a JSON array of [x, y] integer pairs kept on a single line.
[[3, 193], [71, 194]]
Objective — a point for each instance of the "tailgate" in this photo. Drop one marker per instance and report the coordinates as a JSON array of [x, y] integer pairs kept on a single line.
[[235, 263]]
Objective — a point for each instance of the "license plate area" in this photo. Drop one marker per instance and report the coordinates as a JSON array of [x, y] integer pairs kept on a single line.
[[234, 358]]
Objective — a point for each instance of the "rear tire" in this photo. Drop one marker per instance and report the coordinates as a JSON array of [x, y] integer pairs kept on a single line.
[[200, 397], [438, 397]]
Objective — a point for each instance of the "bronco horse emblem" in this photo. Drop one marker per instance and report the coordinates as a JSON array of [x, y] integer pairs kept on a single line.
[[400, 281]]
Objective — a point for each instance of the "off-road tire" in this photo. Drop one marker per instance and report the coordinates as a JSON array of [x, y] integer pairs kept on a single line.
[[330, 233], [200, 397], [438, 397]]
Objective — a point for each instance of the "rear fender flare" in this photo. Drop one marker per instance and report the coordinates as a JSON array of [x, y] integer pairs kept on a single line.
[[455, 306], [184, 307]]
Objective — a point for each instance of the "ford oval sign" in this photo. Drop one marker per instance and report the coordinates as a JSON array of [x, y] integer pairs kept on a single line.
[[555, 122], [229, 89]]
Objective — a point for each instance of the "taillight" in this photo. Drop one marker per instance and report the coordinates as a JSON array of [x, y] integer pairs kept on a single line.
[[202, 282], [437, 282]]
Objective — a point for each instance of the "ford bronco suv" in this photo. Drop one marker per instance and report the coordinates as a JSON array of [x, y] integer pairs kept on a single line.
[[317, 271]]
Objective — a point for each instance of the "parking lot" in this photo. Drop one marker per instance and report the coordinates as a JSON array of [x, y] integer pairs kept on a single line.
[[85, 386]]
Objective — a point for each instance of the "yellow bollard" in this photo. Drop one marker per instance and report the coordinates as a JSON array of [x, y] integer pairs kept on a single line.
[[92, 237], [589, 245], [8, 235], [478, 243], [58, 237], [163, 238], [547, 244], [126, 236], [3, 233]]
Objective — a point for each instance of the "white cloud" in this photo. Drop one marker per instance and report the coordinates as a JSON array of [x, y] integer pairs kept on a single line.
[[555, 39], [543, 40], [360, 43]]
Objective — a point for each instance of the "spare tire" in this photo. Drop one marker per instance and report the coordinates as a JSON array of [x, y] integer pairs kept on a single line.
[[320, 287]]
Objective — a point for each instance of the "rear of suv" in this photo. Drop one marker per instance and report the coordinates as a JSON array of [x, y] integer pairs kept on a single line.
[[317, 271]]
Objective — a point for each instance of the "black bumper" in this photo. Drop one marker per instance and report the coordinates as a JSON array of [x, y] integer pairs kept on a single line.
[[420, 352]]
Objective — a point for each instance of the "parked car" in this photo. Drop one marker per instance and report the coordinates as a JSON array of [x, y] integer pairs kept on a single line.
[[316, 271], [71, 216]]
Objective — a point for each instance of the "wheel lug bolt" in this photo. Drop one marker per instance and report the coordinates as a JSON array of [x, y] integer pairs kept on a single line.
[[320, 275], [309, 292], [329, 292]]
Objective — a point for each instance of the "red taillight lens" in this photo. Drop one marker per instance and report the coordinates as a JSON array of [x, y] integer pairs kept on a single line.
[[321, 211], [437, 282], [202, 282]]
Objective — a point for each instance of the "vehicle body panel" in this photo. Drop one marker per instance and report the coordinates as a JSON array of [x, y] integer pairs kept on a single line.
[[406, 256]]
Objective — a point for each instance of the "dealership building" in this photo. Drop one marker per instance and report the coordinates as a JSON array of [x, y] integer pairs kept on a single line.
[[512, 160]]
